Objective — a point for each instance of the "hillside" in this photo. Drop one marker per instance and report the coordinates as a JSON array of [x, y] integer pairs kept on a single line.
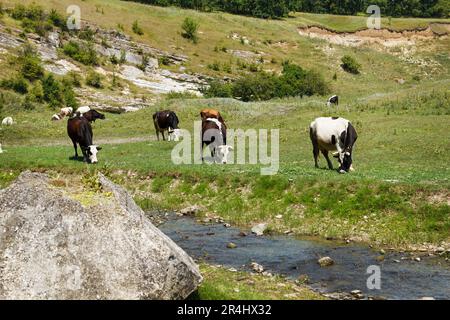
[[399, 103]]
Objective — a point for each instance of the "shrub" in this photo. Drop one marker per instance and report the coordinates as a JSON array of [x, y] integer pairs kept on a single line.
[[93, 79], [214, 66], [218, 89], [164, 60], [37, 92], [52, 91], [294, 81], [350, 65], [180, 95], [144, 62], [190, 28], [18, 84], [57, 19], [137, 29], [32, 68], [73, 78], [86, 34], [260, 86], [81, 52], [27, 103], [123, 56]]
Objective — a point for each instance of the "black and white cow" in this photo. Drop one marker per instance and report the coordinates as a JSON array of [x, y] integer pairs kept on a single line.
[[166, 121], [333, 134], [333, 100]]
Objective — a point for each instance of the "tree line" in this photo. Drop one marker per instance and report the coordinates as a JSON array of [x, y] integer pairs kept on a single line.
[[281, 8]]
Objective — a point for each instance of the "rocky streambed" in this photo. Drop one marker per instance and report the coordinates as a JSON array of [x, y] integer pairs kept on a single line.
[[402, 276]]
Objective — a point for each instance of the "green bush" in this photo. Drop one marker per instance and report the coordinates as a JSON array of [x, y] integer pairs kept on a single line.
[[37, 92], [218, 89], [260, 86], [73, 78], [294, 81], [81, 52], [180, 95], [349, 64], [190, 28], [164, 60], [17, 83], [52, 91], [137, 29], [93, 79]]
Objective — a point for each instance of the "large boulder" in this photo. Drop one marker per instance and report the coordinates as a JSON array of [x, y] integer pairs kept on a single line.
[[53, 247]]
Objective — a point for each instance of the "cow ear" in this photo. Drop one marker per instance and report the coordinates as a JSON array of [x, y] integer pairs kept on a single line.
[[99, 148]]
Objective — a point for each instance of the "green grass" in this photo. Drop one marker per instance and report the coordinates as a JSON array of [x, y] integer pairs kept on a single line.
[[401, 162], [222, 284]]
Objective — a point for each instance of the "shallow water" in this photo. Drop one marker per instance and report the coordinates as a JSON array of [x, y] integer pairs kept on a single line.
[[292, 257]]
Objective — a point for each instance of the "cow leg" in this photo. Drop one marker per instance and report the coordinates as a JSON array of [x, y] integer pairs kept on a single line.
[[315, 149], [157, 134], [76, 149], [325, 154], [164, 138]]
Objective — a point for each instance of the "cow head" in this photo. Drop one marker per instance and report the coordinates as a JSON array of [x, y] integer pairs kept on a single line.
[[345, 159], [91, 152], [175, 135], [221, 153]]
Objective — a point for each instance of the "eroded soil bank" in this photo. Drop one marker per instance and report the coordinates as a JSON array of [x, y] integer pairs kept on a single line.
[[384, 37]]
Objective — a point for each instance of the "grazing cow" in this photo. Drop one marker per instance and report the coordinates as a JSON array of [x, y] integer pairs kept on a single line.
[[214, 135], [80, 131], [93, 115], [333, 134], [333, 100], [8, 121], [211, 113], [1, 150], [165, 120], [64, 112]]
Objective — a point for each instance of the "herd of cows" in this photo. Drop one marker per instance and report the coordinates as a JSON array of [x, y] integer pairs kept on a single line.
[[327, 134]]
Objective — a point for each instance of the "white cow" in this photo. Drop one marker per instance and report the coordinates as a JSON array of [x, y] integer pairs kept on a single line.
[[82, 110], [8, 121], [333, 134], [1, 150]]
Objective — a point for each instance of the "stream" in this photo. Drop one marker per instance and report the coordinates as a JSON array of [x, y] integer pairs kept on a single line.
[[401, 276]]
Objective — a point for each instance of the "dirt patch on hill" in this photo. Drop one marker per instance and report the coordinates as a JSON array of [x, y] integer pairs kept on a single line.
[[384, 37]]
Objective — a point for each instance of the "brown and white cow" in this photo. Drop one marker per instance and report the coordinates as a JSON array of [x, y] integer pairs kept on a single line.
[[333, 134], [166, 121], [64, 112], [214, 135], [212, 114]]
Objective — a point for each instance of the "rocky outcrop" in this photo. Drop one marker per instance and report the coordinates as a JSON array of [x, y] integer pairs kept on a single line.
[[52, 247]]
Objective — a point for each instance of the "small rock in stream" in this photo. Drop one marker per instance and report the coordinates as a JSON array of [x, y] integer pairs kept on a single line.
[[325, 261], [259, 229]]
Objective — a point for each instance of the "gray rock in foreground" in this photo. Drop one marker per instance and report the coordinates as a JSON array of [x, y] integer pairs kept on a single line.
[[51, 247]]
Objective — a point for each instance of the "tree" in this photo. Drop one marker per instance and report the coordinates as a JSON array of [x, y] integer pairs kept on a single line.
[[190, 28]]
